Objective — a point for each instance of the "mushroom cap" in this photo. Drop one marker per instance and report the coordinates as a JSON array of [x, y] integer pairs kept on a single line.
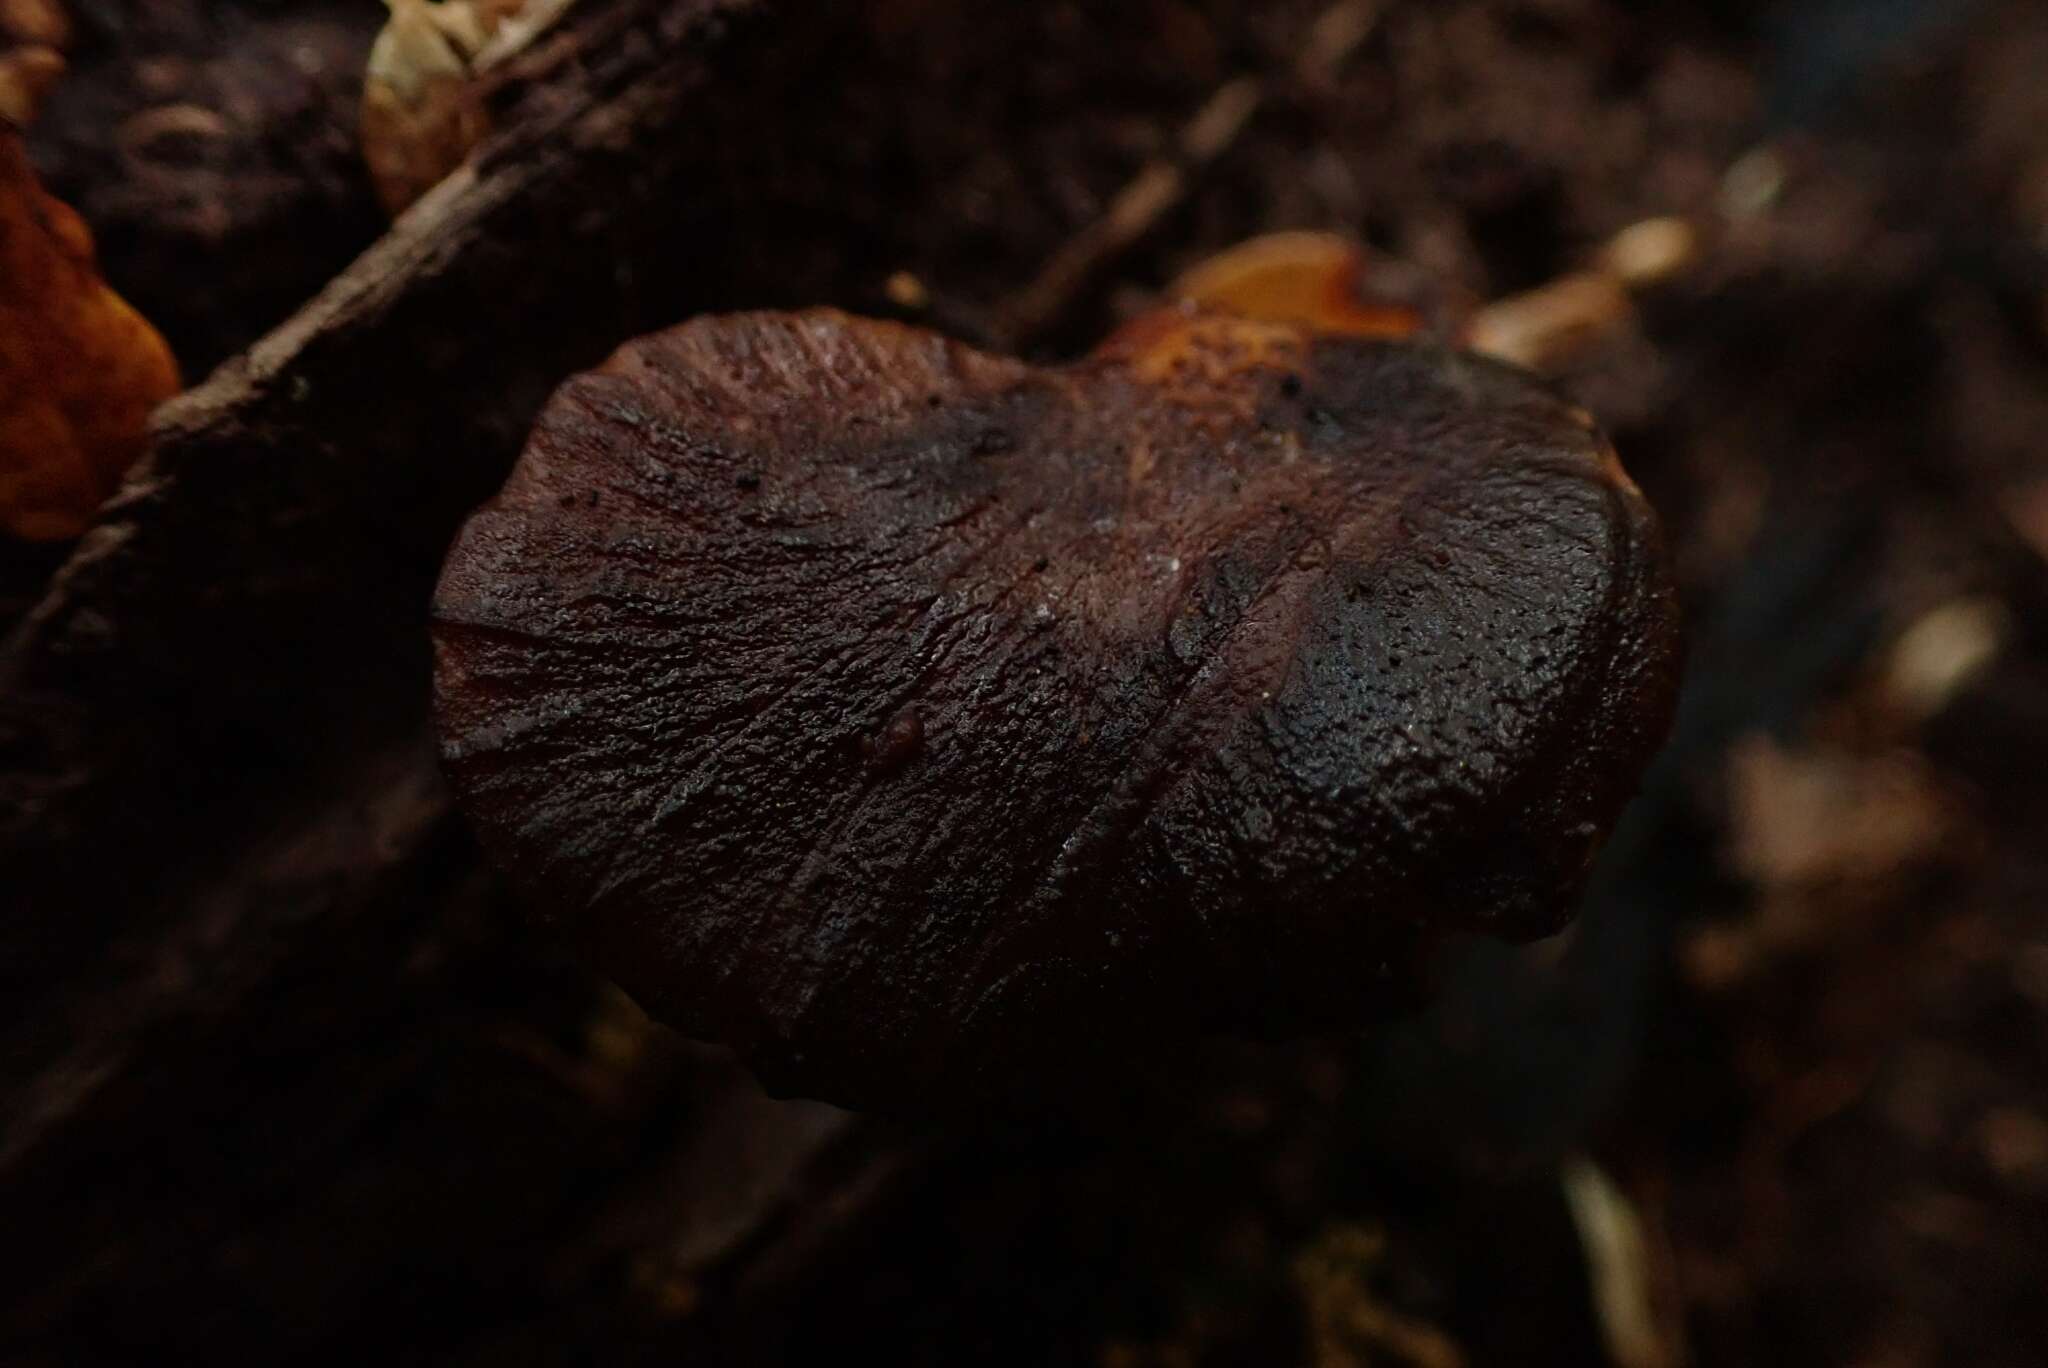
[[929, 725]]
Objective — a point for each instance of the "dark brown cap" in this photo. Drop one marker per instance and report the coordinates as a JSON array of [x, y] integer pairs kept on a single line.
[[925, 724]]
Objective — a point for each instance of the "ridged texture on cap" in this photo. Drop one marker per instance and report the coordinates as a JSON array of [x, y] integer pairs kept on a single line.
[[928, 725]]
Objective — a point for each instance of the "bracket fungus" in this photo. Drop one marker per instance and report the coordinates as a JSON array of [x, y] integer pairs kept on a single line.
[[925, 724]]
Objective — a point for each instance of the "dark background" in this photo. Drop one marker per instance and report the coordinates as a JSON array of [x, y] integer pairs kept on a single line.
[[285, 1076]]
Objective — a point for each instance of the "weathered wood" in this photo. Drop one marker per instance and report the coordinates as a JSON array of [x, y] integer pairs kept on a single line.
[[222, 826], [248, 604], [247, 944]]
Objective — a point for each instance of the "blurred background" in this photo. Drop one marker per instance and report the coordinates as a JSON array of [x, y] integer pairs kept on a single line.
[[285, 1074]]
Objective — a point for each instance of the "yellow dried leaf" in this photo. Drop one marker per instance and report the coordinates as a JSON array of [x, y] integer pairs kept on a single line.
[[421, 115], [80, 370]]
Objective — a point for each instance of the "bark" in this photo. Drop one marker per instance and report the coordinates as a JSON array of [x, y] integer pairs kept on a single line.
[[238, 886], [274, 1046]]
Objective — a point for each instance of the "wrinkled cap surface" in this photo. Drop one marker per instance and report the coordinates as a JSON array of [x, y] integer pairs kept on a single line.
[[921, 723]]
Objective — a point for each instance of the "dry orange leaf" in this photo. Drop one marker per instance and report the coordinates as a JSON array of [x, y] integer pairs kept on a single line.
[[1322, 280], [34, 23], [79, 369]]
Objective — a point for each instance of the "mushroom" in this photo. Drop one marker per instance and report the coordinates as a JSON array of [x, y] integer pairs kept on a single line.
[[926, 725]]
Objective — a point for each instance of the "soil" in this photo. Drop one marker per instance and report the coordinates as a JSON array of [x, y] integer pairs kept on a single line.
[[290, 1076]]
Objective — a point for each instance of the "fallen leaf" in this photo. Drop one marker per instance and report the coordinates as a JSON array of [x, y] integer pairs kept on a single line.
[[1802, 817], [34, 23], [80, 370], [421, 111]]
